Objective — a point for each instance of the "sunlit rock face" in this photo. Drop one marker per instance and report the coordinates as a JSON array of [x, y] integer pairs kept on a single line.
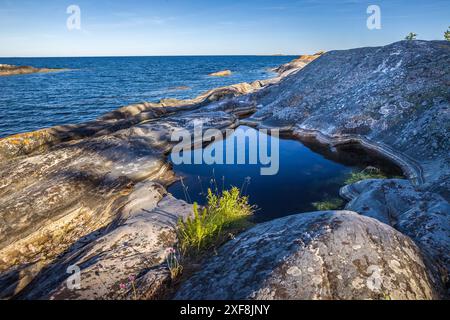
[[134, 247], [70, 206], [297, 64]]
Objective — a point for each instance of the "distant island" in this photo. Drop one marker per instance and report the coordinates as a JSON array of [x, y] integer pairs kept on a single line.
[[10, 70]]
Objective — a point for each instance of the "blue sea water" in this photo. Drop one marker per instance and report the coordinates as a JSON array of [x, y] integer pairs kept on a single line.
[[98, 85]]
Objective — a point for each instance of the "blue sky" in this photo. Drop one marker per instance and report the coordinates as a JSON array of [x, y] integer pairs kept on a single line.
[[210, 27]]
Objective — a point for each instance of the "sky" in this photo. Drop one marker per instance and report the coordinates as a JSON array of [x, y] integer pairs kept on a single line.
[[32, 28]]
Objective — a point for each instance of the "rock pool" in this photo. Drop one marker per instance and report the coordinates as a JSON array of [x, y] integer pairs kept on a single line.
[[304, 179]]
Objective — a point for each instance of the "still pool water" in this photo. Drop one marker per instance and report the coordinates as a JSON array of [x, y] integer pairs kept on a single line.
[[304, 176]]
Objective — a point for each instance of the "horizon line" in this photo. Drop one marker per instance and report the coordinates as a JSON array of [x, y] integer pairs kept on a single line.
[[219, 55], [168, 55]]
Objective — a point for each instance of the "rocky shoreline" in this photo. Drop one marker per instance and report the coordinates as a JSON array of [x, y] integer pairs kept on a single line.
[[93, 194]]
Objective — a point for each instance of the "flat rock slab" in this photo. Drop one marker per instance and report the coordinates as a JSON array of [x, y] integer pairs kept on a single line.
[[320, 255]]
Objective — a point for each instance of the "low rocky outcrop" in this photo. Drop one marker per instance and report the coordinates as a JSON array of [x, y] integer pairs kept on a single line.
[[66, 192], [224, 73], [180, 88], [9, 70], [421, 215], [321, 255], [297, 64]]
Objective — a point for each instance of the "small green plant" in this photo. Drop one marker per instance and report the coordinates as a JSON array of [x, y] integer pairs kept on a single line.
[[411, 36], [447, 34], [367, 173], [329, 204], [223, 214], [173, 263]]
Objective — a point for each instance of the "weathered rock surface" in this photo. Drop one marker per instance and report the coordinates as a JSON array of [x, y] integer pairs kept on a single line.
[[51, 202], [134, 245], [9, 70], [39, 141], [321, 255], [62, 187], [423, 216]]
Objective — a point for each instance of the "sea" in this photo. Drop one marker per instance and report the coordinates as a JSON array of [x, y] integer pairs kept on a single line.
[[92, 86]]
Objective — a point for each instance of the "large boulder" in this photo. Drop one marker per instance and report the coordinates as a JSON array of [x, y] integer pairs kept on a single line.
[[320, 255]]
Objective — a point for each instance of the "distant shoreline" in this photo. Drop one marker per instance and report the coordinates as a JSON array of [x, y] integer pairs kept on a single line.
[[11, 70]]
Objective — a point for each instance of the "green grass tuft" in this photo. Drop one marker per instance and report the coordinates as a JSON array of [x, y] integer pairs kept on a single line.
[[330, 204], [368, 173], [224, 214]]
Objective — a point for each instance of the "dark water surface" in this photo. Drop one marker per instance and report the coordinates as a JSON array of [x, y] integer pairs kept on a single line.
[[304, 177], [95, 86]]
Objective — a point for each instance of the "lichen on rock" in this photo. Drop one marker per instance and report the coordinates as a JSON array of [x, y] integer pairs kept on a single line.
[[319, 255]]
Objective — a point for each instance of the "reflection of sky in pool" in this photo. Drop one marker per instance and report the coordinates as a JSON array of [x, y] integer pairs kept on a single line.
[[304, 177]]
